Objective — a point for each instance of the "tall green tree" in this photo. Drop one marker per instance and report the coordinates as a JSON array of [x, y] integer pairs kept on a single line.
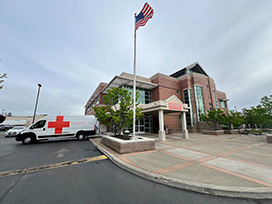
[[214, 117], [261, 114], [118, 110], [253, 115], [233, 117], [2, 76], [266, 107]]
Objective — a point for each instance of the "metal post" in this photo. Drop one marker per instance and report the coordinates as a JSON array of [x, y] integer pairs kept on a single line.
[[134, 79], [36, 102]]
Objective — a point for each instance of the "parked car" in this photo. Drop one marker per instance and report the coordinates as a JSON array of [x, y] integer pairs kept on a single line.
[[5, 127], [2, 127], [14, 131], [8, 126]]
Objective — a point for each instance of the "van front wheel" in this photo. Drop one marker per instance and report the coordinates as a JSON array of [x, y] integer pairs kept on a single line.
[[27, 139], [80, 136]]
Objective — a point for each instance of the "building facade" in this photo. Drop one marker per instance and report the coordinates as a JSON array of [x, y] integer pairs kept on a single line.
[[191, 87]]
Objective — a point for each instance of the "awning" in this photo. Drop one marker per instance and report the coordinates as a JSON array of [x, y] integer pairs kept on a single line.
[[117, 81], [92, 98], [223, 99]]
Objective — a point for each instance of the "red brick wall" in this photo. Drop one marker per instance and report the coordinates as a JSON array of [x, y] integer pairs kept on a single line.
[[221, 95], [207, 84], [167, 86], [101, 99], [171, 120], [91, 112]]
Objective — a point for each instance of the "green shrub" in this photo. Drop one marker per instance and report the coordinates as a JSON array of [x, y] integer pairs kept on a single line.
[[256, 131]]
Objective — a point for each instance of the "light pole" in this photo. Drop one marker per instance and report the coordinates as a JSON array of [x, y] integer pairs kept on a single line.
[[36, 102]]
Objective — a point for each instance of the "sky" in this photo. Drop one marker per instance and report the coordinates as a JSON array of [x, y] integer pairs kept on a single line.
[[71, 46]]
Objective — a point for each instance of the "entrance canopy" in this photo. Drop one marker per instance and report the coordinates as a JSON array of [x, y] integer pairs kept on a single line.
[[172, 104], [118, 81]]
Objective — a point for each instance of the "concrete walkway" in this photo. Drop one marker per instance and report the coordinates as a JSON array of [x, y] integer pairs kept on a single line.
[[227, 165]]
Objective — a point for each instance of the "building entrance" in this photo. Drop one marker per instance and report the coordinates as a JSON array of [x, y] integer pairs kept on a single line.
[[143, 125]]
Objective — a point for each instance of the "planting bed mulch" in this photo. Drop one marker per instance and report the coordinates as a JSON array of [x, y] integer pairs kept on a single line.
[[124, 137]]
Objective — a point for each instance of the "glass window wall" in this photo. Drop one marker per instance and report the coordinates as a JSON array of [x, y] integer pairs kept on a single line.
[[223, 104], [145, 94], [215, 98], [199, 102], [188, 100]]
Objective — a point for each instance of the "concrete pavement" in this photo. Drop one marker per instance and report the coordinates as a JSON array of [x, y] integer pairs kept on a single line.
[[227, 165]]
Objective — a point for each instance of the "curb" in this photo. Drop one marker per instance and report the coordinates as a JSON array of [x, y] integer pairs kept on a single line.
[[215, 190]]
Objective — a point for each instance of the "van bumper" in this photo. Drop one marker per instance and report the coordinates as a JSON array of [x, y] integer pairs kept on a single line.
[[19, 137]]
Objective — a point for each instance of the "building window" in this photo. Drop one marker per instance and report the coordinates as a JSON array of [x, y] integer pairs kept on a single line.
[[97, 100], [177, 91], [199, 102], [188, 100], [215, 98], [145, 94], [223, 104]]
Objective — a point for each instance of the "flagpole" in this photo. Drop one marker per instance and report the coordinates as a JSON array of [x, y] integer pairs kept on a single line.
[[134, 78]]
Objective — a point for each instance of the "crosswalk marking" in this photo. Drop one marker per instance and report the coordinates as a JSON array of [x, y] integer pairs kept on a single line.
[[52, 166]]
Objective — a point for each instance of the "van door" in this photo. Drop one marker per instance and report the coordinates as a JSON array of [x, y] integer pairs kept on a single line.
[[39, 128]]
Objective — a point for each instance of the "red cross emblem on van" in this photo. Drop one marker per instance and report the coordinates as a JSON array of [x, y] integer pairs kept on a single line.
[[59, 124]]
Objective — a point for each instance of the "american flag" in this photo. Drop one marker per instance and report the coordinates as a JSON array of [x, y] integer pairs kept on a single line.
[[146, 13]]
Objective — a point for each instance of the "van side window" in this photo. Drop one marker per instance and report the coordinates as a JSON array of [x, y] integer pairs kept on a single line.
[[38, 124]]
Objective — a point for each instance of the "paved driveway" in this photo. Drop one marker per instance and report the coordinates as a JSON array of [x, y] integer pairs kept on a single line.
[[71, 171]]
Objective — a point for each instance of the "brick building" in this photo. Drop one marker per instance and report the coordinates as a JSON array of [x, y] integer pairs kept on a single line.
[[191, 87]]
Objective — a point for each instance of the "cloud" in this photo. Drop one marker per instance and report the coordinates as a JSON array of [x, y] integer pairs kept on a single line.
[[70, 47]]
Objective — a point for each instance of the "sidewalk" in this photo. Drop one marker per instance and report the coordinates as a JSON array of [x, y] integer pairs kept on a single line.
[[227, 165]]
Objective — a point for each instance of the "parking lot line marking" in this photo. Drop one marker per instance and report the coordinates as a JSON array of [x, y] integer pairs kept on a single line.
[[52, 166]]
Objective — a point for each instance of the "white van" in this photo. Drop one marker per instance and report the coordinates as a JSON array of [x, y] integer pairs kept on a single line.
[[59, 126]]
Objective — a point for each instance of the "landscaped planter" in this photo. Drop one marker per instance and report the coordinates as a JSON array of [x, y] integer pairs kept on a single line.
[[128, 146], [213, 132], [231, 131], [269, 138]]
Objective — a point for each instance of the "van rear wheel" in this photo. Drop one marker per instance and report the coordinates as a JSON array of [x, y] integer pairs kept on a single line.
[[81, 136], [27, 139]]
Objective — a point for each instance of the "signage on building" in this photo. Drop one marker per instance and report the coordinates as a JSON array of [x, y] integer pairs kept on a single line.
[[175, 106]]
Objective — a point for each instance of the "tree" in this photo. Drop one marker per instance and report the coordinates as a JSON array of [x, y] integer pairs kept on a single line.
[[2, 80], [214, 117], [118, 110], [261, 114], [253, 116], [266, 103], [233, 117], [266, 107]]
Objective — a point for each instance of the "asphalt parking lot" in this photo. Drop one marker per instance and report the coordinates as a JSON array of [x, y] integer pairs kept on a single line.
[[71, 171]]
